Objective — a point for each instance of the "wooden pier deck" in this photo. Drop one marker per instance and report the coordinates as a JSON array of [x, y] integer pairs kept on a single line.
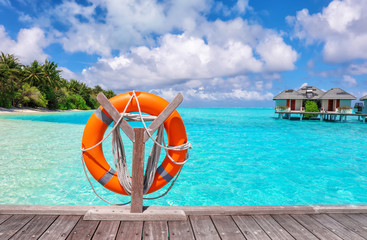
[[249, 222], [328, 116]]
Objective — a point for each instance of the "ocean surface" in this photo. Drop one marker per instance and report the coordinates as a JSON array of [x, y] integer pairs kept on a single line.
[[240, 156]]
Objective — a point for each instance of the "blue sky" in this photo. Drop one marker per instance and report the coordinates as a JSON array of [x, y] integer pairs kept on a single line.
[[237, 53]]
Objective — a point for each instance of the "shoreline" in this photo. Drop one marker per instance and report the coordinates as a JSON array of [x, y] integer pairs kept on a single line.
[[29, 111]]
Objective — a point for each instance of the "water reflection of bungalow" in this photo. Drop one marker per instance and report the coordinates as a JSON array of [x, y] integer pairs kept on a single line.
[[337, 98], [364, 98]]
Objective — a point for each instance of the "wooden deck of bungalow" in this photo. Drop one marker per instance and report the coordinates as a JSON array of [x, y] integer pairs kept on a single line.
[[327, 116], [240, 222]]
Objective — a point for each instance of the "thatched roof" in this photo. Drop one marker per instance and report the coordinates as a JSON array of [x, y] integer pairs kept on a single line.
[[311, 92], [337, 93], [288, 94], [363, 98]]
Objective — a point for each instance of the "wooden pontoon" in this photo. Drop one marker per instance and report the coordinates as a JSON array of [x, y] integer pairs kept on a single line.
[[242, 222], [330, 116]]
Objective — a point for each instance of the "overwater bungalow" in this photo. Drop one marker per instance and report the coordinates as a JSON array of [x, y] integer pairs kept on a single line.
[[364, 99], [311, 92], [334, 100], [288, 100], [292, 100], [337, 100]]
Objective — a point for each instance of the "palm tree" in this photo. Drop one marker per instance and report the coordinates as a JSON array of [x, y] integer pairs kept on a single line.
[[74, 86], [64, 83], [10, 80], [97, 89], [34, 75], [109, 94], [51, 74]]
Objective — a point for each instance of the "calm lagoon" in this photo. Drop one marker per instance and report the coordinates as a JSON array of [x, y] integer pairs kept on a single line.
[[240, 156]]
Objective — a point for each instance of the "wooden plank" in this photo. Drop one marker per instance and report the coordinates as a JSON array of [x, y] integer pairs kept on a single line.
[[171, 107], [125, 215], [155, 230], [83, 230], [35, 228], [361, 218], [61, 228], [180, 230], [112, 111], [107, 230], [3, 217], [293, 227], [203, 228], [137, 172], [272, 228], [351, 224], [315, 227], [250, 228], [213, 210], [336, 227], [130, 230], [227, 228], [12, 225]]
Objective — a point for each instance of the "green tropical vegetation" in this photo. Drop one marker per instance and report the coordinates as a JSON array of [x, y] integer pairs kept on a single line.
[[311, 106], [41, 86]]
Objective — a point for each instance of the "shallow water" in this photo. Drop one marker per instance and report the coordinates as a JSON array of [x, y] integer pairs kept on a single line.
[[240, 157]]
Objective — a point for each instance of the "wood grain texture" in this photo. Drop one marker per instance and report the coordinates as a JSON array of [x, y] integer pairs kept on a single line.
[[197, 210], [60, 228], [12, 225], [227, 228], [171, 107], [137, 172], [323, 226], [315, 227], [293, 227], [203, 228], [107, 230], [351, 224], [130, 230], [250, 229], [272, 228], [34, 228], [3, 217], [336, 227], [112, 111], [361, 218], [155, 230], [180, 230], [83, 230]]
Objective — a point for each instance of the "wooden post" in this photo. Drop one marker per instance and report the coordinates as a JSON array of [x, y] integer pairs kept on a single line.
[[138, 172]]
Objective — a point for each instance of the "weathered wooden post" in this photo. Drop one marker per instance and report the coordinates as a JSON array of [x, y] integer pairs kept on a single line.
[[138, 172]]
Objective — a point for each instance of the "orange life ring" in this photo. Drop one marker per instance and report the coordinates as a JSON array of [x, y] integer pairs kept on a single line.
[[99, 122]]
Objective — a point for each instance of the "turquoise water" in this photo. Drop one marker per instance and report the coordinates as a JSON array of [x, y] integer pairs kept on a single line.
[[240, 157]]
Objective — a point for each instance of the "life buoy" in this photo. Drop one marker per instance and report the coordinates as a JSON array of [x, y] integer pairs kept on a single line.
[[98, 124]]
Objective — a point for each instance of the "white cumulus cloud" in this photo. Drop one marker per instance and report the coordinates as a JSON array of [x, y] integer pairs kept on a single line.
[[340, 27], [27, 47], [183, 58], [349, 81], [168, 45]]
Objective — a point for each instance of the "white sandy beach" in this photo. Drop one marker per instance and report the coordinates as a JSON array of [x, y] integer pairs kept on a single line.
[[24, 111]]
